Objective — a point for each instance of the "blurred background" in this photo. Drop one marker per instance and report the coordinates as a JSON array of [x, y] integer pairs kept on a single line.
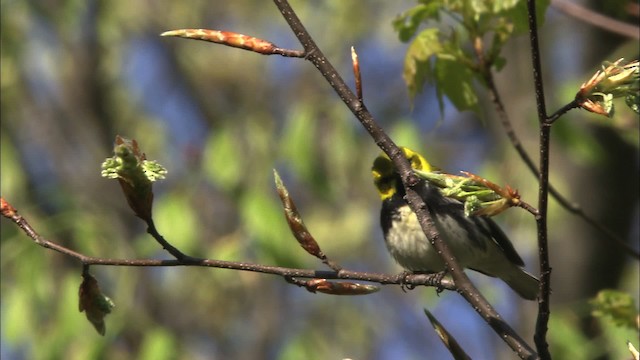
[[74, 74]]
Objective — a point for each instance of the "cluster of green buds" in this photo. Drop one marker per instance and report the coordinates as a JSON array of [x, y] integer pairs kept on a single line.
[[615, 80], [480, 196], [135, 173]]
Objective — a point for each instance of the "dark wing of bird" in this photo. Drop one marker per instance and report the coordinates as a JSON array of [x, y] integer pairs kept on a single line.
[[500, 239]]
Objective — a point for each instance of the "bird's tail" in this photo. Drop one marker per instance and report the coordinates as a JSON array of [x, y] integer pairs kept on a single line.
[[525, 284]]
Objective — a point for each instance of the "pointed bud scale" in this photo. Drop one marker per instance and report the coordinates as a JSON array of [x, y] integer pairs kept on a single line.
[[447, 339], [235, 40], [94, 303], [296, 224], [339, 288]]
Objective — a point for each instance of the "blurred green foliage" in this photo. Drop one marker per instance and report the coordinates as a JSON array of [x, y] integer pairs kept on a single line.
[[447, 52], [618, 306]]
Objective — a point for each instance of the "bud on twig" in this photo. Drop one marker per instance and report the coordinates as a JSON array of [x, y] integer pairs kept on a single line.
[[235, 40], [480, 196], [94, 303], [613, 81], [339, 288], [356, 73], [449, 341], [297, 226], [135, 174]]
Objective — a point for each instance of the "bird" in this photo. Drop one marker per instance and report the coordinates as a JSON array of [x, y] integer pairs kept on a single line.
[[477, 242]]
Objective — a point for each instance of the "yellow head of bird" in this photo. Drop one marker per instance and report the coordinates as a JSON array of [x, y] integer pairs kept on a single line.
[[384, 173]]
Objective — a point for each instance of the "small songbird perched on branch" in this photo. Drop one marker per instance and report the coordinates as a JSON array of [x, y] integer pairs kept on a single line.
[[476, 241]]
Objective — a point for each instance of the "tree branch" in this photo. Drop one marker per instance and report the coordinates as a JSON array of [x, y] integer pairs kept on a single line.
[[411, 280], [591, 17], [572, 208], [409, 179], [543, 190]]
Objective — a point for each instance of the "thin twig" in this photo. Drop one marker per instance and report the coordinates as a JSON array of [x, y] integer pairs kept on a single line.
[[533, 211], [591, 17], [571, 207], [403, 279], [183, 258], [540, 336], [410, 181], [563, 110]]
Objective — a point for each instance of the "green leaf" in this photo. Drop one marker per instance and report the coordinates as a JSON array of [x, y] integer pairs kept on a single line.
[[407, 23], [417, 66], [130, 164], [455, 80], [502, 5], [135, 174], [474, 9], [616, 305], [520, 17]]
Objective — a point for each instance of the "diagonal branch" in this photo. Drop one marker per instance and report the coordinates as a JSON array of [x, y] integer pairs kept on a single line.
[[591, 17], [409, 179]]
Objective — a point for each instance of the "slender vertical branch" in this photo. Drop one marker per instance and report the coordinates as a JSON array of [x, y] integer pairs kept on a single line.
[[410, 181], [573, 208], [543, 190]]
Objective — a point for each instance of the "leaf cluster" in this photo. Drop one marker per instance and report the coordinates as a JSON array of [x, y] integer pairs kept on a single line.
[[461, 37]]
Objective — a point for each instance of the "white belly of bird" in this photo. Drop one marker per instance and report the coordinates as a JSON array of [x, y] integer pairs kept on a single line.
[[410, 247]]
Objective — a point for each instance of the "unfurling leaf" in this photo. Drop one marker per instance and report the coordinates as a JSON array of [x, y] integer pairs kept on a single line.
[[480, 196], [449, 341], [339, 288], [135, 174], [94, 303], [613, 81], [505, 197]]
